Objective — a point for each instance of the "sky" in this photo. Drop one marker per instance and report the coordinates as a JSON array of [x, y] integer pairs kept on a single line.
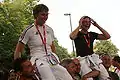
[[105, 12], [1, 0]]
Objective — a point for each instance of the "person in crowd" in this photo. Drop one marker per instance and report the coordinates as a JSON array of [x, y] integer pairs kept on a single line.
[[94, 73], [70, 66], [84, 46], [78, 66], [73, 67], [40, 39], [23, 70], [116, 64], [107, 62]]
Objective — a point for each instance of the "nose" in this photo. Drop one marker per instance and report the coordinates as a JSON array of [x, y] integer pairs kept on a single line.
[[45, 18]]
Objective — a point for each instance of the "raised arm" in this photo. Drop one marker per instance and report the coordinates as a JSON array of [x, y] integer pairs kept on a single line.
[[105, 35], [73, 34], [18, 50]]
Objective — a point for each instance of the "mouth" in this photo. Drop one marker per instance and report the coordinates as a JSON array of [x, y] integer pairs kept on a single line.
[[44, 20], [86, 27]]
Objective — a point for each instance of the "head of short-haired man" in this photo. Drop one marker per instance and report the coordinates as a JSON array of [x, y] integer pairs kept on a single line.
[[77, 63], [40, 13], [24, 67], [86, 23], [69, 65], [107, 61]]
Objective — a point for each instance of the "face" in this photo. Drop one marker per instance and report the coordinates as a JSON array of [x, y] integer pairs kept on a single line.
[[114, 63], [27, 68], [77, 63], [107, 61], [86, 22], [71, 68], [42, 17]]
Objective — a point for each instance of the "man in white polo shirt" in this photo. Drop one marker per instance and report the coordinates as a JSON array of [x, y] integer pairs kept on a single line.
[[40, 39]]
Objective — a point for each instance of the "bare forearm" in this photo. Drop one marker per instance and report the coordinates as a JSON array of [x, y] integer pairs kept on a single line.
[[73, 35], [18, 50], [17, 55], [105, 33]]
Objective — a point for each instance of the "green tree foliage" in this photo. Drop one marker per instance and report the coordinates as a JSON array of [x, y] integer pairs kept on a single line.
[[14, 16], [61, 51], [105, 46], [73, 55]]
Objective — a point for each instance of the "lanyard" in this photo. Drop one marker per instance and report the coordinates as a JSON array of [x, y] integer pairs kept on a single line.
[[44, 43], [87, 39], [44, 34]]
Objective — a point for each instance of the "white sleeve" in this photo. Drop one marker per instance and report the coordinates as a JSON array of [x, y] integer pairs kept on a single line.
[[52, 35], [25, 36]]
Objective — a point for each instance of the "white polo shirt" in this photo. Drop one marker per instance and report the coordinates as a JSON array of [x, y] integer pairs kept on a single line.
[[31, 37]]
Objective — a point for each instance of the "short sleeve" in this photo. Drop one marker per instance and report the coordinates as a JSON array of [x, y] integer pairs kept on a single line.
[[25, 36], [95, 35], [51, 33]]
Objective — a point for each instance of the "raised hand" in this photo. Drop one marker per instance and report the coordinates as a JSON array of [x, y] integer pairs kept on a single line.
[[94, 22], [80, 22]]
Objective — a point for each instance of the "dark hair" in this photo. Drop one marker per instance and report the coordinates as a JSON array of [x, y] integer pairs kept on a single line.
[[117, 59], [86, 17], [65, 62], [17, 64], [39, 8]]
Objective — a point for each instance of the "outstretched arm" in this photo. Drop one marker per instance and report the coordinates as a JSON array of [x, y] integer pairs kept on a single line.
[[105, 35], [18, 50]]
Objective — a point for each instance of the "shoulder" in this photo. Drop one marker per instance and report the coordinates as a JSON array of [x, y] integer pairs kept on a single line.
[[80, 33], [28, 28], [49, 29], [27, 31], [93, 33]]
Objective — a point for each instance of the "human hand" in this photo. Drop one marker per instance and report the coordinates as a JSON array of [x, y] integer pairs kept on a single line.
[[94, 22], [80, 22]]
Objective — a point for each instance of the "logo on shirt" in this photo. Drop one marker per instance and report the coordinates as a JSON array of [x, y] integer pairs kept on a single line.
[[36, 33]]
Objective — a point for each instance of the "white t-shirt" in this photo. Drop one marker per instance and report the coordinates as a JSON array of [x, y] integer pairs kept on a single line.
[[31, 37]]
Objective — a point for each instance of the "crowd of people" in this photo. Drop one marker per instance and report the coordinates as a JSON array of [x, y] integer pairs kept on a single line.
[[24, 70], [44, 64]]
